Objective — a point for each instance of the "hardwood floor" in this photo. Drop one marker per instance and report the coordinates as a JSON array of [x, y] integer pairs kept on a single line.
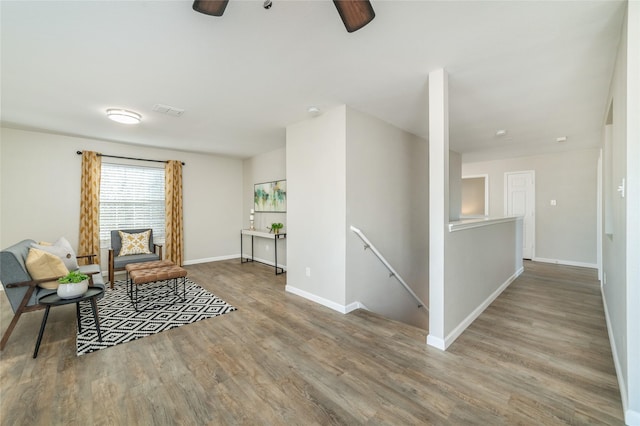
[[538, 355]]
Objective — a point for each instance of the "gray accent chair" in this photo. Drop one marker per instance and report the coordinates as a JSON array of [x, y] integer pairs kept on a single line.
[[22, 291], [118, 263]]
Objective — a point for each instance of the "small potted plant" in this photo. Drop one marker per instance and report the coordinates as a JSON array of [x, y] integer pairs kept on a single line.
[[276, 227], [72, 285]]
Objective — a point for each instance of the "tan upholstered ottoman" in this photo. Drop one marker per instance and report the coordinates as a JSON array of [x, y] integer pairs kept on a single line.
[[161, 271], [147, 265]]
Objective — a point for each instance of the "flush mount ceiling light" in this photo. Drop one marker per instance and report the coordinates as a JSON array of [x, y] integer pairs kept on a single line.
[[561, 139], [313, 111], [501, 132], [124, 116]]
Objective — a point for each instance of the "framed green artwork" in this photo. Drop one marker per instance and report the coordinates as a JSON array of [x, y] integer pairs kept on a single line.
[[270, 196]]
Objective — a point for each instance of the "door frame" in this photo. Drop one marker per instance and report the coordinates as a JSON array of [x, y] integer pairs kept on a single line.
[[533, 204]]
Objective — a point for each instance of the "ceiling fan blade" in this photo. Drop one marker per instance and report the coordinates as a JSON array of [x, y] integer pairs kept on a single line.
[[355, 13], [210, 7]]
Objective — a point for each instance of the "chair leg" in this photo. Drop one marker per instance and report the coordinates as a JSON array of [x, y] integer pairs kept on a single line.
[[111, 272], [21, 308], [9, 330]]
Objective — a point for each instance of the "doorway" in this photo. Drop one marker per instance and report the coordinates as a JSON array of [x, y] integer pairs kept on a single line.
[[475, 196], [519, 200]]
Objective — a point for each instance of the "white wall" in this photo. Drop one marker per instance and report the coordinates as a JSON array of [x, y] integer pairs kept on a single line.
[[455, 185], [567, 232], [387, 199], [621, 239], [438, 202], [468, 268], [473, 196], [40, 192], [633, 212], [316, 208], [479, 264], [267, 167]]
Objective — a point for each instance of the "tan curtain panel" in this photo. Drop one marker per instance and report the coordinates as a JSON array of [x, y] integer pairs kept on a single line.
[[90, 204], [173, 204]]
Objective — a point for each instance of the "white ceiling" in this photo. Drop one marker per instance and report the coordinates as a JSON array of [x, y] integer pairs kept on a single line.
[[538, 69]]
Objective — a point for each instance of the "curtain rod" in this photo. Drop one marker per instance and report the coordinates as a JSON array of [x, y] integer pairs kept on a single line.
[[129, 158]]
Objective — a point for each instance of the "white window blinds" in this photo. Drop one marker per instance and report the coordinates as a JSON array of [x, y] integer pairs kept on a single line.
[[131, 197]]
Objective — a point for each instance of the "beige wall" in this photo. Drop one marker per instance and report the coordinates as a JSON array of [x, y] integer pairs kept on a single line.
[[40, 192], [455, 185], [479, 264], [473, 198], [567, 232], [347, 168], [316, 208], [387, 199], [621, 236], [267, 167]]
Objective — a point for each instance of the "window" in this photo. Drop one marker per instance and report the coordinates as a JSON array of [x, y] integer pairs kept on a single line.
[[131, 197]]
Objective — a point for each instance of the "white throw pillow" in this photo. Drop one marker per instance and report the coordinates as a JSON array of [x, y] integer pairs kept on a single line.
[[61, 248], [134, 243]]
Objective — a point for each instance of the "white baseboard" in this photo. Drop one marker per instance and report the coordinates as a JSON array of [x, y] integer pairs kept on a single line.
[[436, 342], [326, 302], [566, 262], [621, 382], [321, 300], [220, 258], [456, 332], [354, 306], [632, 418], [211, 259], [266, 261]]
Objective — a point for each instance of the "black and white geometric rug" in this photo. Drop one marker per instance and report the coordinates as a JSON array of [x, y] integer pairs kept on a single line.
[[120, 323]]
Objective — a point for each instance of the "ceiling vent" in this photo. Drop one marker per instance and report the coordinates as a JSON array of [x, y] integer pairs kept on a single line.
[[169, 110]]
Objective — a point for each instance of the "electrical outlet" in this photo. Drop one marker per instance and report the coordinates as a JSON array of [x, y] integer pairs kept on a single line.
[[308, 271], [553, 202], [266, 247]]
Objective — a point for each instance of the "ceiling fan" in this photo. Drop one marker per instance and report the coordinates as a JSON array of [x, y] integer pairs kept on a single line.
[[355, 14]]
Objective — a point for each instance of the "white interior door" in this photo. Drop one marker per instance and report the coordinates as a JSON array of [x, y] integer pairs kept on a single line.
[[520, 201]]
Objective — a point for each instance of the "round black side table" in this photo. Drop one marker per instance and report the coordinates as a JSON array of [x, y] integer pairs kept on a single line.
[[54, 300]]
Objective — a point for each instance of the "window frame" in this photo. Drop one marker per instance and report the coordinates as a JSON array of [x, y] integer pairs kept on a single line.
[[130, 173]]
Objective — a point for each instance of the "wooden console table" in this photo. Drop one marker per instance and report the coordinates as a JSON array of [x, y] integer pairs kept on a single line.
[[275, 237]]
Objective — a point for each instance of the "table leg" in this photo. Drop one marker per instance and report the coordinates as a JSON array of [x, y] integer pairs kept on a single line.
[[243, 258], [275, 251], [96, 318], [78, 317], [44, 322], [134, 300]]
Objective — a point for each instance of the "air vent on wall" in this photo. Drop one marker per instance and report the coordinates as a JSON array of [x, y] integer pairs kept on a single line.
[[169, 110]]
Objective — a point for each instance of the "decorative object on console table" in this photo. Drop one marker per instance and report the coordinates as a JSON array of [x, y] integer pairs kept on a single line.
[[270, 196], [276, 227], [251, 220]]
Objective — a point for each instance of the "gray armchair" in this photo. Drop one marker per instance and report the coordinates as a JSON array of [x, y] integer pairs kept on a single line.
[[118, 263], [22, 291]]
